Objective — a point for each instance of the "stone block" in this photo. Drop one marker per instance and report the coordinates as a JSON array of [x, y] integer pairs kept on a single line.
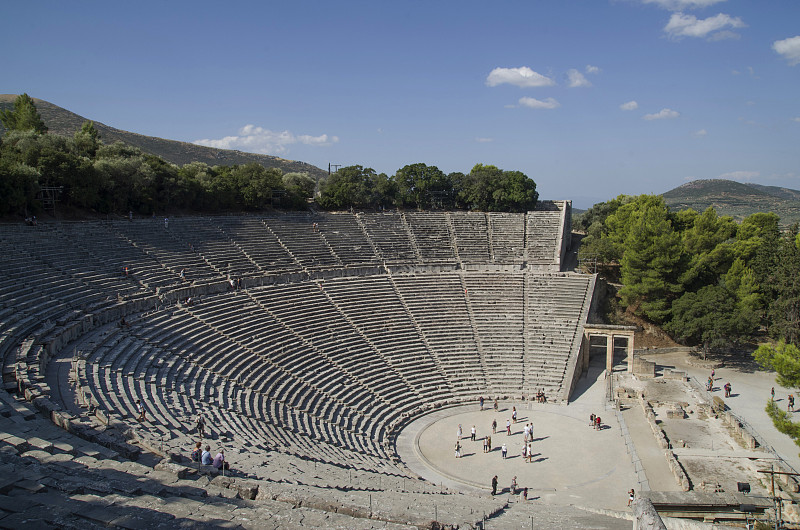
[[173, 468]]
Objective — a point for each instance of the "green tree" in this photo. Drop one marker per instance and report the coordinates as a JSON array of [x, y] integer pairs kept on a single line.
[[350, 186], [784, 359], [597, 243], [418, 184], [710, 317], [24, 116], [652, 251], [488, 188], [86, 141]]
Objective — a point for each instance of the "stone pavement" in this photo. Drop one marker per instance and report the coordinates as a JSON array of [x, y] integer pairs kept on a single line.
[[573, 463]]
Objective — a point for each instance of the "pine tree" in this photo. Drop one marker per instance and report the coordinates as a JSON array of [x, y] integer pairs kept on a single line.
[[24, 117]]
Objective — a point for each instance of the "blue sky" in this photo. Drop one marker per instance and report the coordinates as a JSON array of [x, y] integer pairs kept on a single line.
[[589, 98]]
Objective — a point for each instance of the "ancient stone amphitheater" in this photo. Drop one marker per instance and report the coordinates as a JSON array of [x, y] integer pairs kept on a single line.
[[337, 330]]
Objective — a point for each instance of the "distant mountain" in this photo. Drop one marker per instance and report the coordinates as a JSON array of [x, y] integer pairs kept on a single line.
[[736, 199], [63, 122]]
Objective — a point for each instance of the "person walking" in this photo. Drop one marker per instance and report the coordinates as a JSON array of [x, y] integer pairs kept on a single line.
[[791, 403], [481, 402], [504, 451], [201, 425], [494, 426], [514, 485], [508, 427], [140, 409], [494, 485], [631, 495], [514, 414], [472, 433]]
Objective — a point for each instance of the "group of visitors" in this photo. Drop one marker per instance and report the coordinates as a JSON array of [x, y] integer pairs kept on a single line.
[[595, 422], [203, 456], [727, 388], [541, 397], [523, 493]]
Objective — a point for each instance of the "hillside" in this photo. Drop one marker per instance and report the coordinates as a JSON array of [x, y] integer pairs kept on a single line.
[[736, 199], [63, 122]]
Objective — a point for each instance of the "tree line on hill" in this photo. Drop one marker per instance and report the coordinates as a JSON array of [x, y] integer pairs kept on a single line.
[[118, 178]]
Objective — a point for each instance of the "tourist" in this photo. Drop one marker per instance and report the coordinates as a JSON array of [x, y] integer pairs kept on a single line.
[[514, 485], [591, 420], [205, 458], [495, 405], [480, 400], [219, 461], [472, 433], [489, 443], [201, 425], [485, 444], [514, 414], [598, 423], [791, 403], [458, 450], [140, 409], [524, 452], [530, 453], [631, 495], [166, 222], [183, 275], [508, 427], [503, 451], [494, 426], [458, 433], [197, 453], [494, 485], [772, 394], [524, 494], [727, 390]]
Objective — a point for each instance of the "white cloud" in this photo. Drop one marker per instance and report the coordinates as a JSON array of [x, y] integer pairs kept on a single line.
[[630, 105], [681, 25], [663, 114], [724, 35], [740, 175], [548, 103], [700, 133], [789, 49], [592, 69], [679, 5], [484, 140], [522, 77], [796, 119], [259, 140], [576, 79]]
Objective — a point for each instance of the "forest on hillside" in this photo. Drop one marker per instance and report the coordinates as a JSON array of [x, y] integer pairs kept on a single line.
[[704, 278], [87, 175]]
